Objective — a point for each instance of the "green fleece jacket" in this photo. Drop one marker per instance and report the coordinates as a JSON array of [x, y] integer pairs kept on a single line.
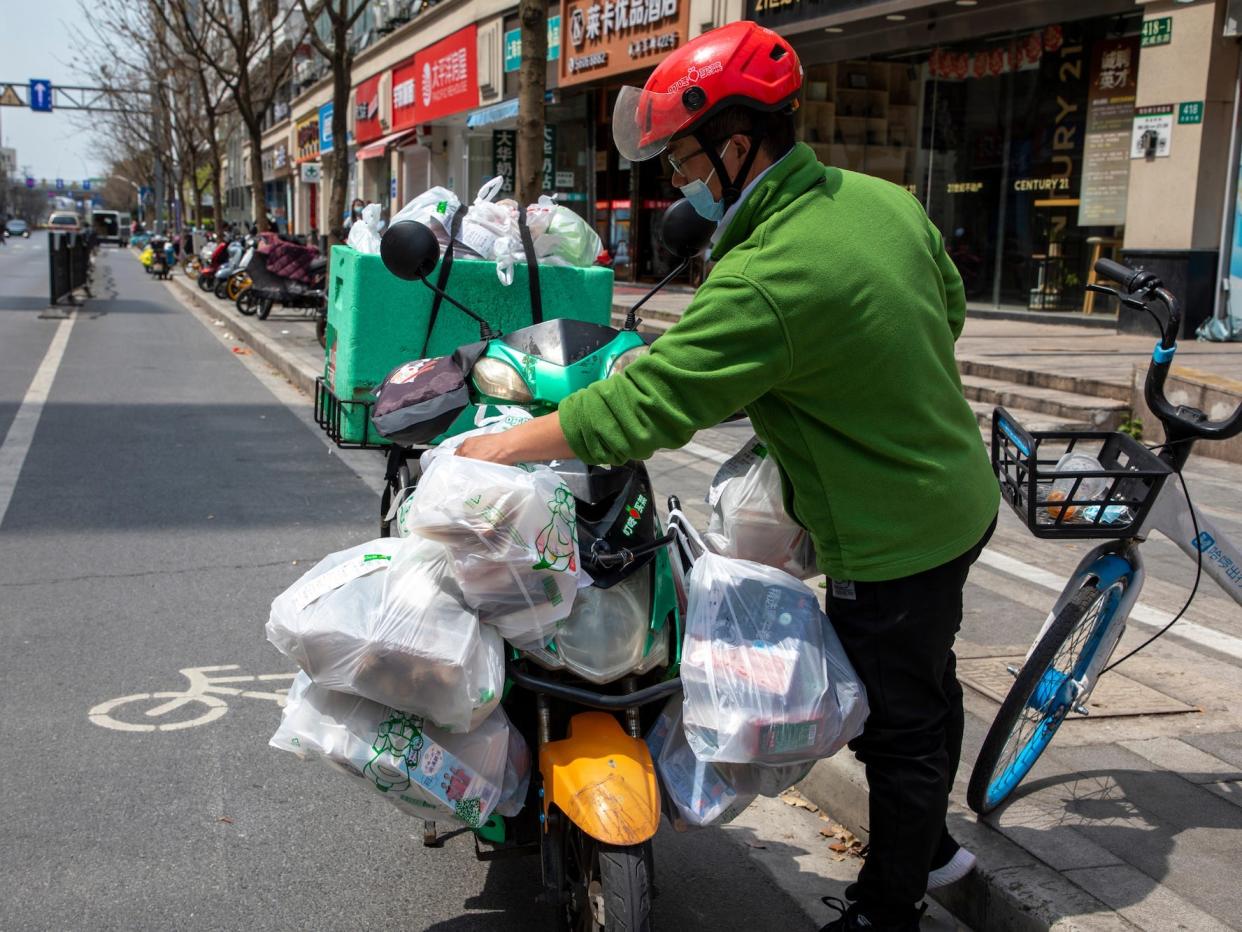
[[830, 317]]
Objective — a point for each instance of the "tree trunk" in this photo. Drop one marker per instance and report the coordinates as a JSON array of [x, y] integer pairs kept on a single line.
[[342, 66], [257, 197], [532, 84]]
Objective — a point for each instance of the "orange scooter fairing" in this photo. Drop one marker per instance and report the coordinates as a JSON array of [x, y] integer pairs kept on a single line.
[[603, 780]]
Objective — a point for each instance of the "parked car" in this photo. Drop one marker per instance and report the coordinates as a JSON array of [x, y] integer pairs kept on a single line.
[[16, 227], [63, 221]]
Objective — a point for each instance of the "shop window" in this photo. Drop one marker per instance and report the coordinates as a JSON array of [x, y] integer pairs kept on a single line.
[[990, 137]]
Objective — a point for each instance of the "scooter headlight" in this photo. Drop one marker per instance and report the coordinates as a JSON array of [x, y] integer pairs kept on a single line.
[[605, 635], [498, 379], [628, 357]]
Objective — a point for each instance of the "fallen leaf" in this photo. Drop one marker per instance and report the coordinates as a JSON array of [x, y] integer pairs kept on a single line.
[[241, 351], [225, 819], [840, 846]]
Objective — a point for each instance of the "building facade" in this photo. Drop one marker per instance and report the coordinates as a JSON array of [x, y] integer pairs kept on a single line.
[[1038, 134]]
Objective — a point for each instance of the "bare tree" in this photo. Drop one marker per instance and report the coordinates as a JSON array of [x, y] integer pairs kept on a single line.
[[532, 85], [340, 55], [247, 45]]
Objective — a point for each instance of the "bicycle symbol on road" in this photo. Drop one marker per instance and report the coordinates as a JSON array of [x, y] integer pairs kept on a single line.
[[203, 690]]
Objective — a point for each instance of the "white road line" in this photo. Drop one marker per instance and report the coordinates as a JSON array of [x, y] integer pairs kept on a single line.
[[705, 452], [1141, 614], [21, 432]]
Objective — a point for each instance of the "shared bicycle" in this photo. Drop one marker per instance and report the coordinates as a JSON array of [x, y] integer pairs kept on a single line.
[[1121, 503]]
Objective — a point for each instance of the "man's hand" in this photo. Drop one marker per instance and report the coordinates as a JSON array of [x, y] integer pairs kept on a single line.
[[536, 441], [492, 448]]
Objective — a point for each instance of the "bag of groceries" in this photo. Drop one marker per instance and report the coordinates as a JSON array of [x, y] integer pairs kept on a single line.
[[765, 678], [704, 793], [421, 769], [748, 518], [386, 621], [512, 533]]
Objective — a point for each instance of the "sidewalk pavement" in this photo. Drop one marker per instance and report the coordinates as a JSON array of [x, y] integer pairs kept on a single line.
[[1129, 821], [1065, 344]]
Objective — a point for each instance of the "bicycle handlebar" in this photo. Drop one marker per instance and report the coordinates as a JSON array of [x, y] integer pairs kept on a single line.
[[1140, 288]]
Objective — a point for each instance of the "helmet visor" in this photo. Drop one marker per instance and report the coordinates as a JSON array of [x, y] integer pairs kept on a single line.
[[643, 122]]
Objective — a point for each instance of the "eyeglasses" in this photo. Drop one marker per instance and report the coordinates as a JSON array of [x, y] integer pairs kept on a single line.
[[678, 163]]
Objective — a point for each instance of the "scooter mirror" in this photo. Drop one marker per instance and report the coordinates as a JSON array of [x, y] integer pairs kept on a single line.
[[683, 231], [409, 250]]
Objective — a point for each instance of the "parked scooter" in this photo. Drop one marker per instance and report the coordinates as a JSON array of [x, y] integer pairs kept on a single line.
[[289, 275], [163, 257], [586, 699], [216, 253], [232, 262]]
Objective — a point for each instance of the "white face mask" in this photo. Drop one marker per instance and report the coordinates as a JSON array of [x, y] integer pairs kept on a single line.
[[700, 195]]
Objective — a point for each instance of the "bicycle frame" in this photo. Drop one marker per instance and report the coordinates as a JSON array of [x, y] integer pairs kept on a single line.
[[1171, 516]]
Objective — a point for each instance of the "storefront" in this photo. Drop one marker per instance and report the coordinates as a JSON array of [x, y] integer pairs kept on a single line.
[[372, 168], [492, 130], [1017, 143], [606, 45]]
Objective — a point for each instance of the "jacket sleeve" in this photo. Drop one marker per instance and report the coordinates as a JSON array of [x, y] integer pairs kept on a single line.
[[729, 348], [954, 290]]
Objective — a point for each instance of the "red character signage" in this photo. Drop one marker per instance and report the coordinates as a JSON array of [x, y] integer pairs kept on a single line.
[[446, 76], [367, 111]]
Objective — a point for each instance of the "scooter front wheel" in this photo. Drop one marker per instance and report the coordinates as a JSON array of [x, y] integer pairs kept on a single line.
[[247, 303], [608, 887]]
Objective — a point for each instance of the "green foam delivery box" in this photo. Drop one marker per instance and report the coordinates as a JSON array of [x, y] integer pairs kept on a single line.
[[377, 321]]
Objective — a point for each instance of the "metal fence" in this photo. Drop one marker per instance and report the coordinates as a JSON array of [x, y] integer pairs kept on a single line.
[[69, 262]]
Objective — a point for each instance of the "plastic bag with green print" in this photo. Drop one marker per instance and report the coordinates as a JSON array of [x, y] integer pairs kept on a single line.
[[512, 533], [421, 769], [386, 621]]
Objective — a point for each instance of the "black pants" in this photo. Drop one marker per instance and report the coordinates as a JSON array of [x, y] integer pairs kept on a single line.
[[899, 636]]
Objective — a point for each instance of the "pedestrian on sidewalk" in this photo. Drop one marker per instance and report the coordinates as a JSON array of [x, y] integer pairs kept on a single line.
[[830, 317]]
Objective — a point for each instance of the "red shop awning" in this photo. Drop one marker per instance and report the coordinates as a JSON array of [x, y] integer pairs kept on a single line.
[[377, 148]]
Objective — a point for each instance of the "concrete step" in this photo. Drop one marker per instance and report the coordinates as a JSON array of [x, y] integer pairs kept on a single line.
[[1099, 413], [1031, 420], [1119, 391]]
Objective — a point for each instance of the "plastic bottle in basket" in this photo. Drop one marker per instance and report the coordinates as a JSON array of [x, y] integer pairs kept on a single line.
[[1089, 488]]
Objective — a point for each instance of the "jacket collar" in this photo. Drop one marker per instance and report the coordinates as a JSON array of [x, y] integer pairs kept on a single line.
[[787, 180]]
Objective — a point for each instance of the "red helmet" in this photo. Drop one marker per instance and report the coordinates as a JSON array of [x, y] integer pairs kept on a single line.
[[741, 63]]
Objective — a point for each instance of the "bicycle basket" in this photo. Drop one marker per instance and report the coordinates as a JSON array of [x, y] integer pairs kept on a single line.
[[1025, 463]]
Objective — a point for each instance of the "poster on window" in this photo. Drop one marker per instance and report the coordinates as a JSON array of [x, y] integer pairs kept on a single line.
[[1110, 117]]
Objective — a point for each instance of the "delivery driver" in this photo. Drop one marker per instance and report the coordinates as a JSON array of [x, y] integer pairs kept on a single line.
[[830, 317]]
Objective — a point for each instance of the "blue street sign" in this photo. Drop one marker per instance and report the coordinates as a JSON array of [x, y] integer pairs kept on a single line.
[[325, 129], [392, 189], [30, 182], [60, 184], [86, 185], [40, 95]]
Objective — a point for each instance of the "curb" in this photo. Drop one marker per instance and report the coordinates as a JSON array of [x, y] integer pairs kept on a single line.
[[251, 331], [1010, 889]]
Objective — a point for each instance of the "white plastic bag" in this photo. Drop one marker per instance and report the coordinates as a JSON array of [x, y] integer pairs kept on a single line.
[[434, 208], [490, 228], [517, 775], [364, 235], [705, 793], [560, 236], [748, 518], [512, 534], [386, 621], [424, 771], [764, 676]]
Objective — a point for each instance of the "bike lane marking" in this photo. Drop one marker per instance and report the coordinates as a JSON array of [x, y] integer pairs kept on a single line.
[[16, 443], [203, 689], [1142, 614]]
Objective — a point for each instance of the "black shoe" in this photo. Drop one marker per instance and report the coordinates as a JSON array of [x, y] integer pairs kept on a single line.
[[854, 918], [951, 864]]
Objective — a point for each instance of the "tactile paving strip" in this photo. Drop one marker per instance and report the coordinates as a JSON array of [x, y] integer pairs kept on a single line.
[[1114, 696]]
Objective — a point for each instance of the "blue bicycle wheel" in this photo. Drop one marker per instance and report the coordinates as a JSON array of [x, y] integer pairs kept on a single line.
[[1042, 694]]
